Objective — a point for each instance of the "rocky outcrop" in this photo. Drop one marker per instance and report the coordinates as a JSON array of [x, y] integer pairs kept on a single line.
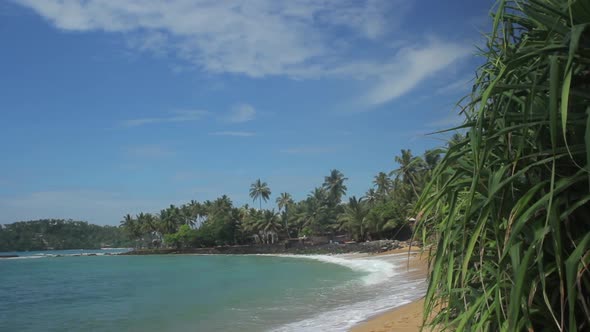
[[332, 248]]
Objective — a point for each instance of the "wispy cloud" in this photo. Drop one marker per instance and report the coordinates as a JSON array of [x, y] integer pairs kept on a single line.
[[252, 37], [259, 38], [233, 133], [462, 85], [448, 121], [174, 116], [413, 65], [241, 113]]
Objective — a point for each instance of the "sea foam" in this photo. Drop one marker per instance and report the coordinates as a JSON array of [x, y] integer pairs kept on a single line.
[[394, 288], [378, 270]]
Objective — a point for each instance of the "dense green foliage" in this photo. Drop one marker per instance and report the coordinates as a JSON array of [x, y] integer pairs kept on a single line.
[[60, 234], [509, 203], [383, 211]]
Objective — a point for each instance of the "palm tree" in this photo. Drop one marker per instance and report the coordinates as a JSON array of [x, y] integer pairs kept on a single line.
[[408, 168], [128, 222], [269, 223], [260, 223], [259, 191], [371, 197], [132, 227], [383, 184], [186, 213], [353, 217], [222, 204], [431, 159], [196, 213], [283, 202], [334, 185], [314, 212], [152, 226], [318, 194], [171, 219]]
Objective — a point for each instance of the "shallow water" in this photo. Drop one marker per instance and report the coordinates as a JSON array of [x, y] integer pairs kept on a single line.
[[199, 293]]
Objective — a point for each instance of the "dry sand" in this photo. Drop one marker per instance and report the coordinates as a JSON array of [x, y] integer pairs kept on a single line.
[[407, 318]]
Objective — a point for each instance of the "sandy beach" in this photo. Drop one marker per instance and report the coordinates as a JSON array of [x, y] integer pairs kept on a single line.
[[408, 317]]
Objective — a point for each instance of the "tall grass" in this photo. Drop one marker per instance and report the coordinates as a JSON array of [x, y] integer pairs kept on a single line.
[[509, 204]]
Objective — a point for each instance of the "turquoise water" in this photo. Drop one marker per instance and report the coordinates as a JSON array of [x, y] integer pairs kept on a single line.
[[161, 293], [195, 293]]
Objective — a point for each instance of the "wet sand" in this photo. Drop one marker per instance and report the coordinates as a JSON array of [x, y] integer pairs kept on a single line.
[[408, 317]]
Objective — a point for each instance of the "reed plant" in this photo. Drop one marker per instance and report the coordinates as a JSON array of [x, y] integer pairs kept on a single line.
[[509, 205]]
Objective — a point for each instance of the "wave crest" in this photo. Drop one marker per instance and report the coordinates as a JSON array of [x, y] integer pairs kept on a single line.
[[378, 270]]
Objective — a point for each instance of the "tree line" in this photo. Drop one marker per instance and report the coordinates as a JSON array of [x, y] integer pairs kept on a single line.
[[380, 213], [60, 234]]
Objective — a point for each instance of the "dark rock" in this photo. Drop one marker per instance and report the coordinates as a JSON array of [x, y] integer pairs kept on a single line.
[[279, 248]]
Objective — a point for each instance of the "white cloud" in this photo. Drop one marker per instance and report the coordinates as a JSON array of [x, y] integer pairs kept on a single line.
[[252, 37], [257, 38], [241, 113], [233, 133], [462, 85], [175, 116], [450, 120], [413, 65]]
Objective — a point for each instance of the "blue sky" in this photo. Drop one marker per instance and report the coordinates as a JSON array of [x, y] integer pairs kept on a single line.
[[115, 107]]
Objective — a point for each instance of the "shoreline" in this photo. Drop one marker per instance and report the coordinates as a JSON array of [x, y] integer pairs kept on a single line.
[[406, 317], [372, 247]]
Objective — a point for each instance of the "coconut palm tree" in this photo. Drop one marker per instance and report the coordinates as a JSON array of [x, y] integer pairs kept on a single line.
[[196, 213], [334, 185], [318, 194], [283, 202], [259, 191], [171, 219], [353, 218], [408, 169], [261, 223], [383, 184], [311, 213], [370, 197], [186, 214], [431, 159], [269, 223], [132, 227]]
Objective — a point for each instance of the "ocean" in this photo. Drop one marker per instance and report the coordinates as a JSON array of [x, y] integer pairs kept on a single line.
[[71, 292]]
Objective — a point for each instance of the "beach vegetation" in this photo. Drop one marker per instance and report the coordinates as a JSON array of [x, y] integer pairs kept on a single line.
[[62, 234], [383, 213], [508, 206]]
